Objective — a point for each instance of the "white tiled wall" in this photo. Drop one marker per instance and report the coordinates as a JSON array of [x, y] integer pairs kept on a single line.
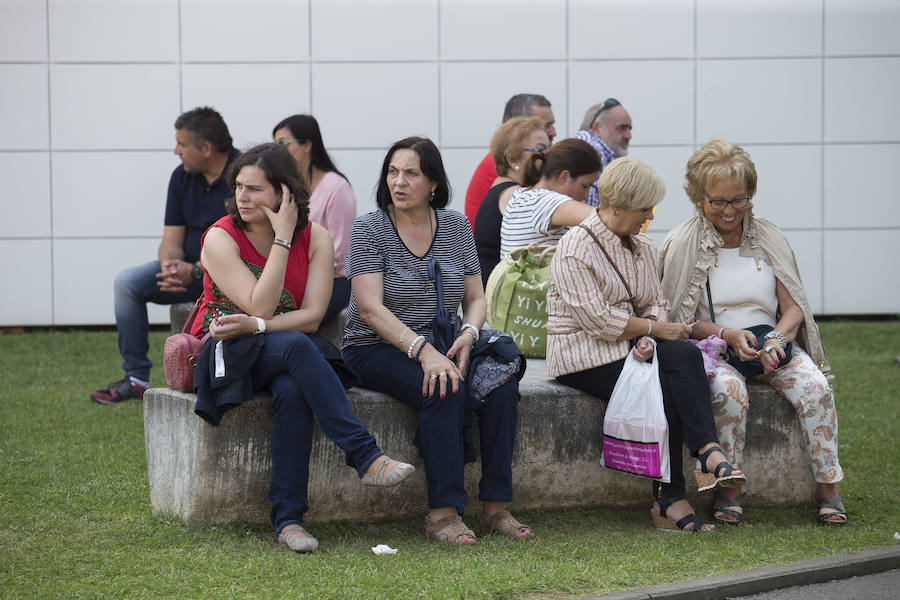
[[89, 90]]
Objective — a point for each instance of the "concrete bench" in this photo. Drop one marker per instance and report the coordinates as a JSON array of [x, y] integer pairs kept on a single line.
[[221, 474]]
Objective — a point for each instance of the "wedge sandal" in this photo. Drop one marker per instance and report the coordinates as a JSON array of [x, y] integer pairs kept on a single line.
[[728, 510], [724, 475], [661, 521], [829, 513]]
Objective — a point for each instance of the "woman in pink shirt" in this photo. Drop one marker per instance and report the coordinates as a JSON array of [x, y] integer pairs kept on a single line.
[[332, 203]]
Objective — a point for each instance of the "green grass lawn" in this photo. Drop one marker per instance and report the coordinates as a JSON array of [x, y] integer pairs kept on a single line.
[[75, 518]]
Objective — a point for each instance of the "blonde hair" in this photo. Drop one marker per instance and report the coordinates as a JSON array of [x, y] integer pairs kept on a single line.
[[509, 140], [630, 184], [718, 160]]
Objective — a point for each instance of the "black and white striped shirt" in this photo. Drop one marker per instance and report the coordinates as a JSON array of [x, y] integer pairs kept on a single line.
[[376, 247], [527, 219]]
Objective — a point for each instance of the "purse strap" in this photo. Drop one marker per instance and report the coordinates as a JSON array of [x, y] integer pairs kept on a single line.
[[434, 272], [712, 314], [618, 272], [191, 317]]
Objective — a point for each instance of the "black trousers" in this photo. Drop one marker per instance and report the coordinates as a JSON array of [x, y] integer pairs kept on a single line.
[[685, 399]]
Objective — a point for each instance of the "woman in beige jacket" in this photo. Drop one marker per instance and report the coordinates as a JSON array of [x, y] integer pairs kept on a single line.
[[745, 265]]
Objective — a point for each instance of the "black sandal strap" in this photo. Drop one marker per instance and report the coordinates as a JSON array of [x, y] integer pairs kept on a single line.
[[687, 520]]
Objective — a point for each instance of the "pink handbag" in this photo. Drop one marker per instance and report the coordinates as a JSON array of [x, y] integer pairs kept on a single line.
[[180, 354]]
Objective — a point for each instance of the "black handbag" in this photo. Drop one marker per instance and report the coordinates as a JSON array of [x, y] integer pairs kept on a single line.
[[748, 368], [444, 328]]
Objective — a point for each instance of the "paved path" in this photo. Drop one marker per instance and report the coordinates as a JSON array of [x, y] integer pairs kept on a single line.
[[858, 575], [881, 586]]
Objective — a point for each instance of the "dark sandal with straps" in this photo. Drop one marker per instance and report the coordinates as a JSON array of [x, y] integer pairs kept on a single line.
[[728, 510], [829, 513], [666, 524], [722, 476]]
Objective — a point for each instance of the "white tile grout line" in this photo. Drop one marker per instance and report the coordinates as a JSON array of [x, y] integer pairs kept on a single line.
[[50, 171], [822, 203], [363, 61], [695, 66], [440, 77]]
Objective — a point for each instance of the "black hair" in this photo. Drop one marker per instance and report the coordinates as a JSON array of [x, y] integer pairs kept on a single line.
[[203, 124], [279, 167], [305, 128], [430, 163]]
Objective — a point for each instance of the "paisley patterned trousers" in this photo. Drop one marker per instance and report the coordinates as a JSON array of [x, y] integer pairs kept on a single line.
[[805, 387]]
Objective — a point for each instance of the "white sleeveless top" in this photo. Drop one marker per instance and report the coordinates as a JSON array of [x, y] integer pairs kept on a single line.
[[742, 295]]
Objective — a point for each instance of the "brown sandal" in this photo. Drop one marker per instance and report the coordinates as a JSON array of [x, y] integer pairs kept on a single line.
[[448, 529], [505, 524]]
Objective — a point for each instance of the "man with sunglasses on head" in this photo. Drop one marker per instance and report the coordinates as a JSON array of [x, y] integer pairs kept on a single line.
[[606, 127], [196, 200]]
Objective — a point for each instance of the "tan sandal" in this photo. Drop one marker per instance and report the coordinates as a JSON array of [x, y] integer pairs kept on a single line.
[[505, 524], [448, 529], [382, 479], [298, 539]]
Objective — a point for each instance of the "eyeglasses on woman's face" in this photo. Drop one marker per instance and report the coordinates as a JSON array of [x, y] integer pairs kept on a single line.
[[720, 203]]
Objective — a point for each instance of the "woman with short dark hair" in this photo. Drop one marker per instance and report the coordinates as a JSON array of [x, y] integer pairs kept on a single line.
[[386, 342]]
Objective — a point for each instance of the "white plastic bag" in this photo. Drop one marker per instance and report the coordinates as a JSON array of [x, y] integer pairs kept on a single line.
[[635, 431]]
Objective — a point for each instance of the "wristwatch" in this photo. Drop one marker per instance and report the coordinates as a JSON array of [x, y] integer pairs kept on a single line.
[[196, 272]]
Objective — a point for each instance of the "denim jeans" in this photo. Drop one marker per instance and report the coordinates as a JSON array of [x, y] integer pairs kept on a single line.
[[386, 369], [134, 288], [304, 386], [685, 400]]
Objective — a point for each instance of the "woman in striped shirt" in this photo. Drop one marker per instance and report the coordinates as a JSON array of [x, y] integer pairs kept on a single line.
[[556, 182], [604, 293], [391, 310]]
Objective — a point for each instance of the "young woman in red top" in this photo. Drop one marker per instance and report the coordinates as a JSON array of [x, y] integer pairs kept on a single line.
[[269, 270]]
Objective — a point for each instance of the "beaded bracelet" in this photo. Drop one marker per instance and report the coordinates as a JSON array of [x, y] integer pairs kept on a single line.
[[472, 328], [419, 351], [284, 243], [403, 335], [775, 334], [278, 242], [413, 345]]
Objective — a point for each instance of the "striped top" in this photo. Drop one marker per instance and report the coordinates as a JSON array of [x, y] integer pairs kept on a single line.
[[527, 219], [376, 247], [587, 303]]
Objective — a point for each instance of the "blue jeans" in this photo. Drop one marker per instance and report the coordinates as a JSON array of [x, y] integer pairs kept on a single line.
[[134, 288], [304, 386], [386, 369]]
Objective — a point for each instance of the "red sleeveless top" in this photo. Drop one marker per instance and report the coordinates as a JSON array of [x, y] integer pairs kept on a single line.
[[214, 303]]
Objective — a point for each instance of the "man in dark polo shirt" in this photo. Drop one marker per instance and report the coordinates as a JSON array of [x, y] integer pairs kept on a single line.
[[197, 194]]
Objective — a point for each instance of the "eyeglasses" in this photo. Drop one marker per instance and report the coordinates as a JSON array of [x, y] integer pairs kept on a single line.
[[736, 203], [287, 143], [607, 104]]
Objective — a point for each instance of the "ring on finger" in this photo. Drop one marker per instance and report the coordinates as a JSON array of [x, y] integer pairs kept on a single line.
[[433, 377], [443, 374]]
